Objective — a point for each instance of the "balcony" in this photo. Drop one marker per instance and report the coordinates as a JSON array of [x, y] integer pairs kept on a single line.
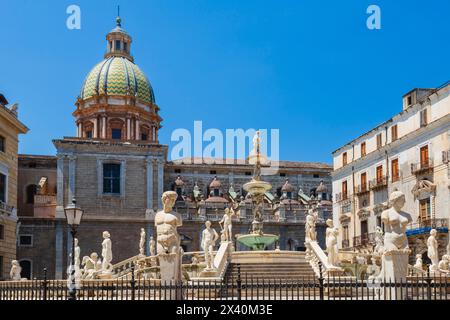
[[44, 206], [423, 166], [361, 189], [424, 226], [364, 240], [379, 183], [340, 197], [8, 210]]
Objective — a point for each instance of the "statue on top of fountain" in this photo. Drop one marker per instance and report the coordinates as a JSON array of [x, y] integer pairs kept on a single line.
[[257, 152]]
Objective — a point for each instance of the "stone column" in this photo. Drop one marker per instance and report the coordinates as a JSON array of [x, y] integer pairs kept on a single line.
[[71, 191], [150, 163], [160, 181], [154, 134], [137, 130], [59, 239], [104, 127], [60, 187], [128, 129], [94, 134], [80, 130], [432, 212]]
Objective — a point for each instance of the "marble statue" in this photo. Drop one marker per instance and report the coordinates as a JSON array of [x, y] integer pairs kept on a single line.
[[91, 265], [152, 245], [373, 270], [394, 261], [209, 238], [226, 224], [16, 269], [167, 222], [395, 221], [257, 152], [77, 260], [432, 252], [142, 243], [106, 253], [379, 243], [331, 235], [444, 265], [419, 261], [310, 228], [168, 249]]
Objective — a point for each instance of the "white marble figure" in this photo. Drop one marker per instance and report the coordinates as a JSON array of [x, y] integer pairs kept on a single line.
[[444, 265], [209, 238], [373, 270], [419, 262], [432, 252], [167, 222], [395, 221], [142, 243], [331, 235], [106, 253], [226, 224], [77, 260], [310, 228], [379, 243], [91, 265], [152, 245], [16, 269]]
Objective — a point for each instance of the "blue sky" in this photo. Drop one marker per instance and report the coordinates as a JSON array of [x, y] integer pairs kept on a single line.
[[309, 68]]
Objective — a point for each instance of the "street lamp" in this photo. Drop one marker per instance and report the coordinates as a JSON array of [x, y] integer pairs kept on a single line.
[[73, 216]]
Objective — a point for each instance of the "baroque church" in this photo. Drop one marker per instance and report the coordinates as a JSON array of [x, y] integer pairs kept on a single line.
[[117, 169]]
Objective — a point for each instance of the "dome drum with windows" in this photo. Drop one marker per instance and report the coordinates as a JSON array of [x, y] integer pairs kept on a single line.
[[116, 100]]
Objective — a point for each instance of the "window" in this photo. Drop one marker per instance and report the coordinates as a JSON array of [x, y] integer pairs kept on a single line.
[[424, 156], [344, 190], [144, 136], [216, 193], [345, 233], [116, 133], [248, 173], [394, 133], [409, 100], [25, 240], [111, 178], [423, 118], [316, 176], [212, 172], [117, 45], [177, 170], [125, 46], [394, 170], [110, 46], [2, 232], [379, 174], [379, 141], [282, 174], [363, 149], [89, 134], [2, 188], [26, 269], [2, 144], [363, 181], [424, 209], [31, 192], [344, 158]]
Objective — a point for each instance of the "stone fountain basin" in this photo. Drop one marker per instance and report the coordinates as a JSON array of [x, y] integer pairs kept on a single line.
[[256, 241], [255, 187]]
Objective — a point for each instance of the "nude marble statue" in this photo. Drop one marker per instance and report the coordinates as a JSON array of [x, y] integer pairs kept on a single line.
[[106, 253], [432, 246], [209, 238], [142, 242], [16, 269], [226, 224], [331, 235], [167, 222]]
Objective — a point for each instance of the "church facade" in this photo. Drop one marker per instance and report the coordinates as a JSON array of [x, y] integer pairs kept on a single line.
[[117, 169]]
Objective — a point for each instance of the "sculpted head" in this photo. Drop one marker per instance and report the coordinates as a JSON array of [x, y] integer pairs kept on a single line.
[[330, 223], [106, 235], [419, 256], [208, 224], [433, 232], [76, 241], [168, 199], [15, 263], [94, 256], [397, 200]]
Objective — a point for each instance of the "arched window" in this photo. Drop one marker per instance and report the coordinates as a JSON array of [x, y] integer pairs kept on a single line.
[[26, 269], [31, 192]]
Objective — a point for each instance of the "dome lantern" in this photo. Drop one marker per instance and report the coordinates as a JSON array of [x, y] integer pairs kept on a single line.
[[118, 42]]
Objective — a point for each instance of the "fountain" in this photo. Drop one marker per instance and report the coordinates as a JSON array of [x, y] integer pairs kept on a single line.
[[257, 240]]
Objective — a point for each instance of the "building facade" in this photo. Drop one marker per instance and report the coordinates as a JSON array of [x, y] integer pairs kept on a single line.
[[10, 128], [117, 170], [410, 153]]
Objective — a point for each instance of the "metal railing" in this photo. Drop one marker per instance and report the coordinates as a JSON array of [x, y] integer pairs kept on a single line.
[[429, 223], [422, 166], [4, 208], [364, 239], [380, 182], [345, 243], [361, 189], [240, 287]]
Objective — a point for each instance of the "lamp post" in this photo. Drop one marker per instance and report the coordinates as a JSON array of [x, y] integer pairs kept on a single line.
[[73, 216]]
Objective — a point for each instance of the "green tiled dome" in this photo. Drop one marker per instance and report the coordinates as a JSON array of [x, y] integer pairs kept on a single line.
[[117, 76]]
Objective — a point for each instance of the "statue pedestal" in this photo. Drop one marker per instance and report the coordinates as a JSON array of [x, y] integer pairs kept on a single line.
[[170, 270], [107, 275], [394, 270], [209, 273]]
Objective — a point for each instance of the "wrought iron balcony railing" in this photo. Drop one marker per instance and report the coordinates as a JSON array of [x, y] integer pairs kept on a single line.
[[339, 197], [364, 239], [429, 223], [378, 183], [361, 189], [4, 208], [423, 166]]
